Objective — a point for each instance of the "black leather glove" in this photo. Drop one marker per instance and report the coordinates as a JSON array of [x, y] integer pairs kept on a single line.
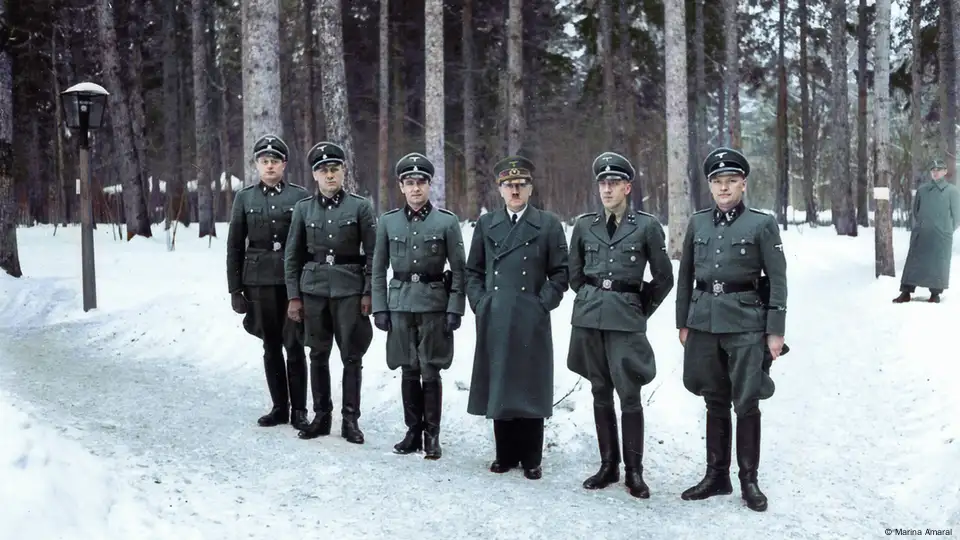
[[238, 303], [452, 323], [382, 321]]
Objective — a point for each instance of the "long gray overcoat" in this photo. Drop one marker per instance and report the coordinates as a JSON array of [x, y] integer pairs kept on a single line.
[[936, 210]]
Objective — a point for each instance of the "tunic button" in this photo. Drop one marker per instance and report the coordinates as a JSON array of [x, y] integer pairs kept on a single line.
[[496, 272], [414, 247], [496, 288], [718, 250], [611, 260], [414, 262], [720, 237], [329, 221], [609, 273], [716, 265], [523, 288], [414, 233], [524, 258], [330, 235], [273, 207], [273, 221], [524, 272]]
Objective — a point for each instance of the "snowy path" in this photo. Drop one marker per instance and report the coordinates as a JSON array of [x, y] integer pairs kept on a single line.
[[860, 436]]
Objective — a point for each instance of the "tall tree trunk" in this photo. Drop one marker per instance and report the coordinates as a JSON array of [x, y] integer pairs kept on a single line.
[[469, 116], [334, 81], [613, 130], [433, 100], [58, 215], [515, 116], [783, 151], [916, 104], [732, 71], [863, 33], [701, 190], [383, 115], [175, 188], [125, 131], [677, 152], [883, 218], [9, 254], [806, 133], [842, 202], [948, 73], [261, 76], [201, 117], [225, 110]]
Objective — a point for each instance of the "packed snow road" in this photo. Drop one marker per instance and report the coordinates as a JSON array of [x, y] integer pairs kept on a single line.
[[193, 451]]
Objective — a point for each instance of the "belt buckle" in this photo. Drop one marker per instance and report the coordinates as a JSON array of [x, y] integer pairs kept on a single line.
[[718, 287], [607, 284], [277, 246], [329, 259], [415, 278]]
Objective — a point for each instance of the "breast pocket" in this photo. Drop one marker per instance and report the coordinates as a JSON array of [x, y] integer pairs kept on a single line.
[[398, 247], [591, 254], [348, 233], [746, 251], [314, 233], [701, 248], [436, 244], [631, 254], [254, 217]]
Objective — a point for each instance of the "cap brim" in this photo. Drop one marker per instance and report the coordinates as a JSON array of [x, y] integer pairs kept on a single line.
[[728, 170], [414, 175], [325, 161], [616, 174], [273, 153]]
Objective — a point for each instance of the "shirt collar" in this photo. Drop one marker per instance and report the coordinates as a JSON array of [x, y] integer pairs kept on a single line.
[[334, 201], [421, 213], [719, 216], [510, 213]]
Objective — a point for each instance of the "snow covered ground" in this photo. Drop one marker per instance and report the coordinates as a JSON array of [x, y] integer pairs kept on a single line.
[[138, 419]]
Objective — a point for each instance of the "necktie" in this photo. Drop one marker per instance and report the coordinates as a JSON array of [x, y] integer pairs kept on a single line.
[[611, 225], [513, 220]]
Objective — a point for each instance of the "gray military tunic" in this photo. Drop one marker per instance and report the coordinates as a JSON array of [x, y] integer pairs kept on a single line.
[[936, 210], [417, 246], [516, 275], [717, 300], [608, 342], [328, 260]]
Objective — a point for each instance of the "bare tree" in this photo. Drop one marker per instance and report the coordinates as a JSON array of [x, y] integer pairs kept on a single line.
[[433, 102], [677, 117], [383, 97], [261, 76], [201, 117], [515, 131], [841, 182], [9, 255], [883, 219], [469, 115], [613, 130], [334, 83], [948, 93], [806, 133], [916, 91], [732, 71], [863, 33]]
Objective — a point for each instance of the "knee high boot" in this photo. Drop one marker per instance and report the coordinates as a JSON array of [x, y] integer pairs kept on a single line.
[[432, 405], [717, 479], [320, 389], [633, 454], [605, 419], [748, 458], [412, 395], [350, 429], [297, 385]]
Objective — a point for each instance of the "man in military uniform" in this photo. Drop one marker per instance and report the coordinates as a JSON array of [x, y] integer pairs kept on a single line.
[[328, 256], [609, 253], [516, 274], [421, 305], [726, 323], [936, 210], [261, 215]]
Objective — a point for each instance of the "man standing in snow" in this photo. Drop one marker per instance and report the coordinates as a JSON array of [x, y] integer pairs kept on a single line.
[[725, 322], [258, 230], [516, 274], [327, 268], [936, 210], [422, 305], [609, 253]]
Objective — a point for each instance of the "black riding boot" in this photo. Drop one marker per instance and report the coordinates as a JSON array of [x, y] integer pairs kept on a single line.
[[717, 479], [605, 419], [320, 390], [432, 403], [297, 384], [748, 458], [412, 394], [275, 370], [633, 454], [349, 428]]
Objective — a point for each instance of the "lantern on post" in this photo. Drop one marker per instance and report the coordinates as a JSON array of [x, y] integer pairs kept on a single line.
[[83, 108]]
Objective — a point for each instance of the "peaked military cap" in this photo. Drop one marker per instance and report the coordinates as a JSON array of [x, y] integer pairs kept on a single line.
[[325, 152], [725, 160], [512, 168], [938, 164], [613, 166], [414, 164], [270, 145]]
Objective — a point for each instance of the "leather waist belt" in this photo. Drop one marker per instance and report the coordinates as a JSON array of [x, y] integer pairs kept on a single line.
[[719, 287], [332, 258], [266, 246], [415, 277], [614, 285]]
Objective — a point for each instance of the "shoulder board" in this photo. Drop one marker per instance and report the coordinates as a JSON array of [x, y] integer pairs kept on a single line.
[[388, 212], [307, 198], [641, 213], [588, 214], [703, 211], [298, 186], [445, 211], [245, 188], [761, 212], [355, 196]]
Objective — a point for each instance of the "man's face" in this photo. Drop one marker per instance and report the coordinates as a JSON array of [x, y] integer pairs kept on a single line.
[[516, 193], [270, 168], [613, 192], [329, 177], [727, 189], [416, 189], [938, 174]]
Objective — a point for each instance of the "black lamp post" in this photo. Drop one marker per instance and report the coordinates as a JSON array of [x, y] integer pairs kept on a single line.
[[83, 106]]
